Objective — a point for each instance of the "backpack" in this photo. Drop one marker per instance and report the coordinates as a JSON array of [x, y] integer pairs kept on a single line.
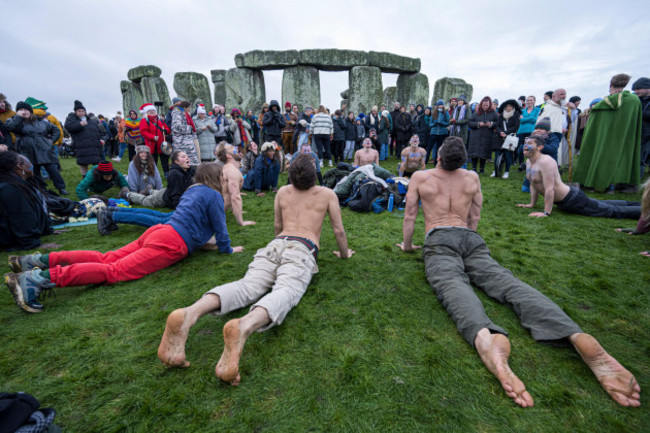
[[361, 199]]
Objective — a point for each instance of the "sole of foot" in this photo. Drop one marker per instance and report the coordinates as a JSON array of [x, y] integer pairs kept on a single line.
[[14, 264], [11, 280], [615, 379], [172, 346], [227, 368], [494, 352]]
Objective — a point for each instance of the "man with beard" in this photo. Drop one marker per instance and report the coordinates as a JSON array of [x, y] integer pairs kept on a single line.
[[232, 181], [287, 132]]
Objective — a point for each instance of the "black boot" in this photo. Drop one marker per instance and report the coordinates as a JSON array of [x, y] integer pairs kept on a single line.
[[105, 224]]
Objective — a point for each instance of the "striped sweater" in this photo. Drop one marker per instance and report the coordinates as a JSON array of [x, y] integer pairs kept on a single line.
[[321, 123]]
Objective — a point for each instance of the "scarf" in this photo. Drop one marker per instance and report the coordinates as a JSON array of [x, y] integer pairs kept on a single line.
[[461, 116], [507, 115], [242, 133], [188, 119], [144, 166], [132, 127]]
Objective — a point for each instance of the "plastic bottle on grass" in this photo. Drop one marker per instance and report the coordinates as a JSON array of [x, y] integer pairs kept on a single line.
[[391, 200]]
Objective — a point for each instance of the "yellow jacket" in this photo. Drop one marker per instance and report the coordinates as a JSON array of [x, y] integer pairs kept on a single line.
[[53, 120]]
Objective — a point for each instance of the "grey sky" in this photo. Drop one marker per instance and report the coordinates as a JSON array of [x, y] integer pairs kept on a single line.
[[59, 51]]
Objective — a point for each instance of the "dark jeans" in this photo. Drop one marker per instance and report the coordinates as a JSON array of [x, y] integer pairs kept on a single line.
[[54, 173], [141, 216], [520, 147], [322, 142], [475, 162], [508, 157], [645, 155], [337, 150], [577, 202], [435, 141], [455, 258], [552, 144], [164, 161]]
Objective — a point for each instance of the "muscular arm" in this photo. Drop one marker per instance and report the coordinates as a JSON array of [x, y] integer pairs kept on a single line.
[[474, 214], [334, 211], [277, 211], [376, 160], [235, 199], [410, 212], [548, 178], [422, 164], [357, 158]]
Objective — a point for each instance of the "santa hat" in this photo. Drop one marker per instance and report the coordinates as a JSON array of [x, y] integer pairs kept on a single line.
[[200, 109], [146, 107]]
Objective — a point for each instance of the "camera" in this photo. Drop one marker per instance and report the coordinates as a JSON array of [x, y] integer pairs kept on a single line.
[[158, 103]]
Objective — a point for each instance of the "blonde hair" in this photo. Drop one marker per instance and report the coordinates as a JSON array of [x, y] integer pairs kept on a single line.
[[209, 174], [321, 109]]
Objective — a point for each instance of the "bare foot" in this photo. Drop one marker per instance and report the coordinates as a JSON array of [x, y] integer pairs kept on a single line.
[[619, 383], [494, 350], [227, 368], [172, 347]]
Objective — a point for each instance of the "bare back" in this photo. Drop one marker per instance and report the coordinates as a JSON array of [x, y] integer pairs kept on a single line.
[[301, 213], [231, 183], [449, 198], [544, 174]]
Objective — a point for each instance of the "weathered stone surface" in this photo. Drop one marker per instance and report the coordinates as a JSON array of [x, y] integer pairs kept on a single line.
[[154, 89], [301, 85], [245, 89], [333, 59], [366, 89], [192, 86], [345, 94], [344, 104], [390, 95], [139, 72], [393, 63], [131, 97], [219, 80], [267, 60], [447, 88], [412, 88]]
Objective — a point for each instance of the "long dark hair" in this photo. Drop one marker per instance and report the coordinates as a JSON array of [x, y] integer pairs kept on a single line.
[[151, 164], [8, 162]]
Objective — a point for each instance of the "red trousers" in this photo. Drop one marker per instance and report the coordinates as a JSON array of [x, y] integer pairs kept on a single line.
[[160, 246]]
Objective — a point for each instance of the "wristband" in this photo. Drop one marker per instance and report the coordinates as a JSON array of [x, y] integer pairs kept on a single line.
[[547, 213]]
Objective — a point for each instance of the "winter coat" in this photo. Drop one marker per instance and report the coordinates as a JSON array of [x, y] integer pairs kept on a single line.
[[421, 128], [23, 219], [273, 122], [34, 139], [266, 174], [511, 127], [206, 137], [393, 117], [339, 128], [178, 180], [528, 120], [137, 182], [4, 116], [645, 106], [150, 127], [403, 126], [221, 122], [383, 133], [92, 184], [289, 118], [5, 135], [236, 135], [480, 140], [361, 132], [248, 162], [184, 135], [374, 125], [459, 127], [53, 120], [350, 130], [86, 139], [322, 124], [439, 123]]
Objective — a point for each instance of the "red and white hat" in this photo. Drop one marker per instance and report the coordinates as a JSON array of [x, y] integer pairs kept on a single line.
[[200, 109], [147, 106]]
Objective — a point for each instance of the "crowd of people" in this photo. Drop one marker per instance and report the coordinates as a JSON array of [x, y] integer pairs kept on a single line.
[[215, 156]]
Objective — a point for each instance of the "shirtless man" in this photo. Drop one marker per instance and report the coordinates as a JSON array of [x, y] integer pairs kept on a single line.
[[367, 155], [285, 265], [413, 158], [455, 256], [232, 181], [544, 177]]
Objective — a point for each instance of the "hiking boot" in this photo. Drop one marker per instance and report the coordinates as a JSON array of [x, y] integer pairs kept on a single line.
[[25, 288], [105, 224], [20, 264]]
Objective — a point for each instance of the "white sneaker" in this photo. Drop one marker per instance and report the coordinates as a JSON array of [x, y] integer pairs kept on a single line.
[[116, 159], [330, 163], [505, 175], [494, 174], [321, 164]]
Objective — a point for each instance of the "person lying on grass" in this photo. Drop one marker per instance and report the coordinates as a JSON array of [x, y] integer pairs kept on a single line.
[[285, 266], [198, 217], [101, 178], [232, 181], [455, 256], [545, 180], [643, 225]]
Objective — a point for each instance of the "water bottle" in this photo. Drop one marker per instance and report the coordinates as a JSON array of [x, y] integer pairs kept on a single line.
[[391, 199]]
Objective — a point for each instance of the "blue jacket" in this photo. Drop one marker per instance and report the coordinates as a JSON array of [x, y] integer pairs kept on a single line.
[[439, 123], [527, 124], [266, 174], [199, 215]]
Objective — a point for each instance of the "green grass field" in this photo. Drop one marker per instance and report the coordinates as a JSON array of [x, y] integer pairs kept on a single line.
[[369, 347]]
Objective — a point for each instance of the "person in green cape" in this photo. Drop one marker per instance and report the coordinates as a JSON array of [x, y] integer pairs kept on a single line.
[[611, 147]]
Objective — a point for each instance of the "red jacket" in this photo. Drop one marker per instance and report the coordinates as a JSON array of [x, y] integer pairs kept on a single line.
[[149, 130]]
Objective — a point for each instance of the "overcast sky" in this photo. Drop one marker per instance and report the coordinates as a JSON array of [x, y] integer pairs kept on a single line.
[[63, 50]]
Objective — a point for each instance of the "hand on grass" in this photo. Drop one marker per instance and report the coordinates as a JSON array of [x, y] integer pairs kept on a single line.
[[338, 254], [237, 249], [538, 215], [248, 223], [524, 205], [408, 250], [625, 230], [261, 194]]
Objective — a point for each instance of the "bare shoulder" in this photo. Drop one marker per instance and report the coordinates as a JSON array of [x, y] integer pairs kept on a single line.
[[419, 177]]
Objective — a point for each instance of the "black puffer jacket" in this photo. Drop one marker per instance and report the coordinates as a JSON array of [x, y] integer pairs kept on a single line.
[[23, 216], [86, 139], [403, 126], [350, 130], [339, 128], [178, 180], [34, 139], [481, 138], [274, 121], [511, 127]]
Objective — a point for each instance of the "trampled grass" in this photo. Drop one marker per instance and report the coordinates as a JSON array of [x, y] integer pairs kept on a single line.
[[369, 347]]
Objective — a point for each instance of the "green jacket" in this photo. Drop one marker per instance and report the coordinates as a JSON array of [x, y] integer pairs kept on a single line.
[[90, 184]]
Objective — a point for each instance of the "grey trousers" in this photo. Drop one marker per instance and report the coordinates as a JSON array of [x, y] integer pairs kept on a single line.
[[455, 257], [283, 266], [155, 199]]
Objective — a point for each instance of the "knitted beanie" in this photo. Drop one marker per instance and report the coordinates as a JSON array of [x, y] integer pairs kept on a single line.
[[440, 102], [544, 124], [105, 167], [138, 149], [641, 83], [287, 104], [24, 105], [78, 106]]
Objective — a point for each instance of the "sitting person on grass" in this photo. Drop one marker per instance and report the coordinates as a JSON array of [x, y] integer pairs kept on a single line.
[[199, 216], [643, 225], [366, 155], [232, 181], [178, 179], [143, 175], [285, 267], [266, 172], [545, 180], [413, 158], [101, 178], [455, 256]]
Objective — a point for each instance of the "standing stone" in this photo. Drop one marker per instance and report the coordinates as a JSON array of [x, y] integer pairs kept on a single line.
[[412, 89], [192, 86], [447, 88], [154, 89], [366, 89], [131, 97], [390, 95], [219, 81], [245, 89], [344, 105], [301, 85], [139, 72]]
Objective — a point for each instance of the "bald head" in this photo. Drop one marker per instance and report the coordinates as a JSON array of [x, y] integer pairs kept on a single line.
[[559, 95]]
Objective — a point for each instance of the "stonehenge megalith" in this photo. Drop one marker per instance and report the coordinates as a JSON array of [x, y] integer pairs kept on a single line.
[[447, 88], [366, 89], [192, 86], [245, 89], [301, 86]]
